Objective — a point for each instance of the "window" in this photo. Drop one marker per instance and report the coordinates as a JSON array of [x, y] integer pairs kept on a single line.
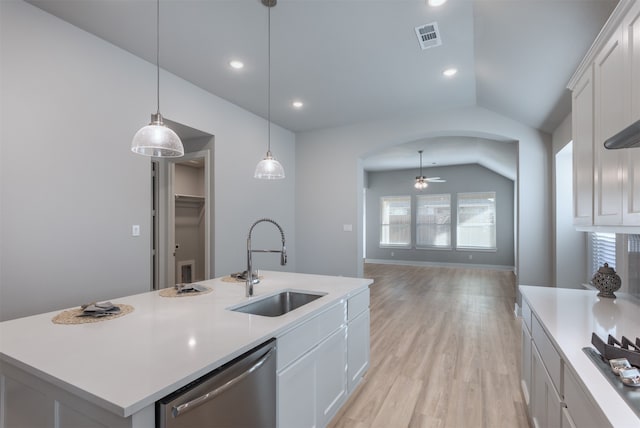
[[477, 221], [395, 221], [603, 250], [433, 221]]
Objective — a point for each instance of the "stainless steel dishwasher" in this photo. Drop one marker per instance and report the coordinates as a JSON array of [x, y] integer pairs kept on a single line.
[[240, 394]]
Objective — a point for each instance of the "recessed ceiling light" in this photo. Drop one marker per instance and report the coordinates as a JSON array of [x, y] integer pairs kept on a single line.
[[450, 72], [297, 104], [236, 64], [436, 3]]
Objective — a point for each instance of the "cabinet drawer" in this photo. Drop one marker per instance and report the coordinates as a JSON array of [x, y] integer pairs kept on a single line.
[[550, 357], [357, 304], [302, 338], [526, 314], [583, 411]]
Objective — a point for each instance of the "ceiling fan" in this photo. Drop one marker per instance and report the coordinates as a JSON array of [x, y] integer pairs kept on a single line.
[[422, 182]]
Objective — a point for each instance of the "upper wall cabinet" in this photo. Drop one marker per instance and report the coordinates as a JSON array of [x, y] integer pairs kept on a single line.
[[631, 167], [606, 99], [610, 116], [582, 125]]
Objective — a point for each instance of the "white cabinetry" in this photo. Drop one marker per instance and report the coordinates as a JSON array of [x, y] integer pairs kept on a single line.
[[610, 115], [525, 364], [631, 160], [311, 375], [357, 339], [554, 396], [580, 410], [546, 379], [606, 99], [546, 404], [28, 401], [582, 125], [631, 36], [321, 361]]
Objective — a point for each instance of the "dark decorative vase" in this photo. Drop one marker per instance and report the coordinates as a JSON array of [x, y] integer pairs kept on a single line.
[[606, 280]]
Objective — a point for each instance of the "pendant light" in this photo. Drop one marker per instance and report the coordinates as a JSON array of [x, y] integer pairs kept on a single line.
[[156, 139], [421, 180], [269, 168]]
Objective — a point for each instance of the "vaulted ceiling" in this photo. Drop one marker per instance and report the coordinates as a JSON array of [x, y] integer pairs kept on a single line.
[[359, 60]]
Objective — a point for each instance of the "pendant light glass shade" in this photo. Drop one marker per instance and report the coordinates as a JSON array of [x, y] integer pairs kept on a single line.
[[269, 168], [156, 139]]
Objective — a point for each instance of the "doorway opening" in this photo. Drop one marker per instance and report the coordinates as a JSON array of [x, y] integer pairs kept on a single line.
[[182, 212]]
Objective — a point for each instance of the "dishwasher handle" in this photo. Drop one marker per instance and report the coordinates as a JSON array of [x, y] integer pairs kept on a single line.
[[190, 405]]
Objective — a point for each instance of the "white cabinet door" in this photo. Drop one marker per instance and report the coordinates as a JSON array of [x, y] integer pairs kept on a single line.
[[631, 166], [546, 407], [632, 40], [297, 394], [525, 367], [331, 376], [582, 410], [611, 111], [357, 349], [582, 128]]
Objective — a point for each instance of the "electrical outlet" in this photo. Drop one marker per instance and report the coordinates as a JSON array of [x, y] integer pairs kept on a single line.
[[470, 256], [393, 254]]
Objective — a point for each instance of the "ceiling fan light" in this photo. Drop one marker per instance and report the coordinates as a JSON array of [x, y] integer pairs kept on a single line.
[[421, 183]]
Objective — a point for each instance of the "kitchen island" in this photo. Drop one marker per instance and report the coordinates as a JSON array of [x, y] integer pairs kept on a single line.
[[561, 384], [117, 369]]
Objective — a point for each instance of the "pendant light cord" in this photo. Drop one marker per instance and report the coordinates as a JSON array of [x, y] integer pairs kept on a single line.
[[158, 53], [269, 80]]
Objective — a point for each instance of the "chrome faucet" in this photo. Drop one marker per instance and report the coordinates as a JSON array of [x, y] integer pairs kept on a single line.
[[251, 280]]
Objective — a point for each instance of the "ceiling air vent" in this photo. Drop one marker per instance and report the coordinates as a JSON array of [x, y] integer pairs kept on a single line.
[[428, 35]]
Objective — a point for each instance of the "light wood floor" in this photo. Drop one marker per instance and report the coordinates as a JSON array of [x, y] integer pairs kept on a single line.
[[445, 351]]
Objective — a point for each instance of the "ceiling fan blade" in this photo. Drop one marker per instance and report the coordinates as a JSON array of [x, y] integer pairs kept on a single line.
[[436, 180]]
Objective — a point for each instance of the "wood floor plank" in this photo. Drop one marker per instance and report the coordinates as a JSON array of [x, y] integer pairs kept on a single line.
[[445, 351]]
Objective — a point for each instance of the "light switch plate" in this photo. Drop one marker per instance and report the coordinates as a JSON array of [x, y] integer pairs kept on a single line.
[[135, 230]]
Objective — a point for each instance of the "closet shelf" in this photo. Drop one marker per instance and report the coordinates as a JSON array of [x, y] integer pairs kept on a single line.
[[192, 199]]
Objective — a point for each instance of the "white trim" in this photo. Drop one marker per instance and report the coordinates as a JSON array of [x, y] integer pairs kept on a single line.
[[614, 21], [609, 229], [441, 264]]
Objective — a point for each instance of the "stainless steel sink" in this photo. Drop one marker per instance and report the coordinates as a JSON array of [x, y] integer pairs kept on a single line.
[[278, 304]]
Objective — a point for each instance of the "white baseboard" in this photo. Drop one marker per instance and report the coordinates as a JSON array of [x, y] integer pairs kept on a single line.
[[423, 263]]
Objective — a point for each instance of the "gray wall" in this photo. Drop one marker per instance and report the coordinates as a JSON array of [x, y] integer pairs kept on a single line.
[[70, 187], [460, 178], [329, 193], [570, 245]]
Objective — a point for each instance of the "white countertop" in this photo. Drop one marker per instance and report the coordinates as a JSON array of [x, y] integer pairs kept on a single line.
[[570, 316], [127, 363]]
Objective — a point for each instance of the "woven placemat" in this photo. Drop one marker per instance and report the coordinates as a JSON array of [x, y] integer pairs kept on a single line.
[[71, 316], [233, 279], [172, 292]]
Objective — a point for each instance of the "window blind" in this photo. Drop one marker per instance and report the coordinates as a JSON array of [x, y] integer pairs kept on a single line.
[[395, 221], [603, 250], [433, 221]]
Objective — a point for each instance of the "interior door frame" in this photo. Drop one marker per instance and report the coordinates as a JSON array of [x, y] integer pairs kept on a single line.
[[166, 241]]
